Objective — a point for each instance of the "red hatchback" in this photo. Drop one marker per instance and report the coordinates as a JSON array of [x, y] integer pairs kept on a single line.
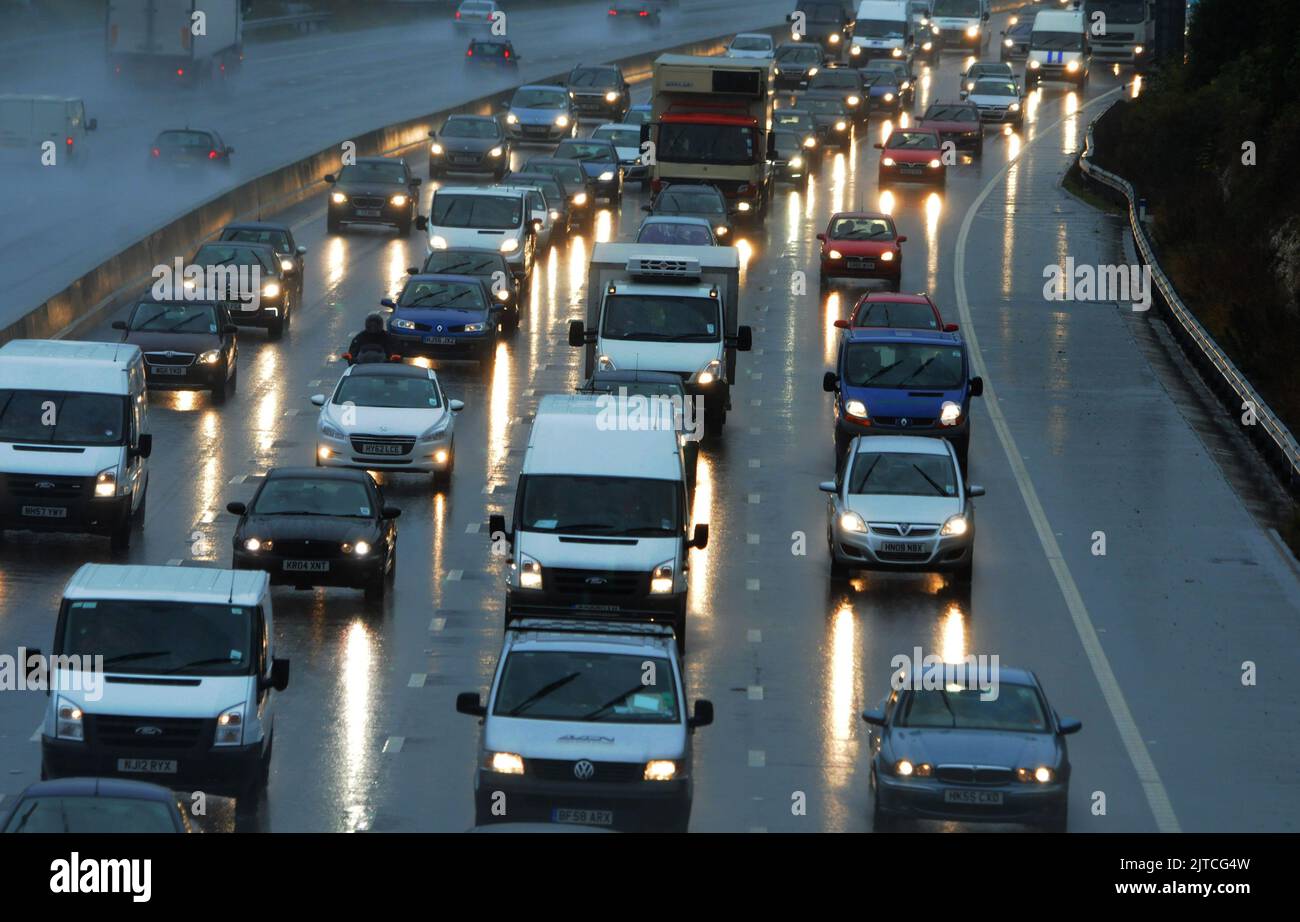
[[912, 154], [861, 245], [897, 312]]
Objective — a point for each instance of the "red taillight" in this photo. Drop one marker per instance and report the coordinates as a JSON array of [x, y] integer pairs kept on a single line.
[[613, 12], [458, 14], [156, 152], [507, 52], [643, 13], [69, 141], [469, 52], [212, 155], [180, 72]]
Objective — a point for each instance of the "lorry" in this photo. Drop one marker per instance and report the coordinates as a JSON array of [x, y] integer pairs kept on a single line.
[[28, 122], [883, 29], [662, 307], [1124, 32], [186, 41], [711, 122]]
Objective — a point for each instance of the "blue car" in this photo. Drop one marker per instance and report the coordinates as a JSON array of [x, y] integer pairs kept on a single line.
[[903, 382], [95, 805], [638, 114], [539, 114], [884, 92], [446, 316]]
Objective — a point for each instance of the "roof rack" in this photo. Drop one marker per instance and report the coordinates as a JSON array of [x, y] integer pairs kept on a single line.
[[576, 626]]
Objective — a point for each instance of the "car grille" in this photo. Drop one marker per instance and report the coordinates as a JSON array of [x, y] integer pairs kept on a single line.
[[612, 583], [562, 770], [306, 550], [173, 358], [893, 531], [913, 422], [369, 201], [382, 445], [973, 774], [177, 732], [428, 328], [26, 485], [466, 158]]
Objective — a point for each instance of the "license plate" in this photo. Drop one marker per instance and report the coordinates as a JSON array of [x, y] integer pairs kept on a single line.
[[861, 263], [903, 547], [464, 160], [983, 798], [167, 369], [910, 170], [381, 449], [531, 129], [583, 817], [309, 566], [45, 512], [151, 766], [440, 340], [367, 212]]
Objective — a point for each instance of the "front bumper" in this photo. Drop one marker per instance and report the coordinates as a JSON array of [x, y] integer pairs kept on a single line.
[[923, 798], [1056, 73], [596, 106], [466, 345], [82, 512], [1002, 117], [350, 212], [346, 571], [830, 136], [185, 377], [930, 554], [538, 133], [660, 609], [913, 173], [640, 806], [422, 459], [790, 81], [862, 267], [957, 38], [461, 162], [958, 434], [225, 771]]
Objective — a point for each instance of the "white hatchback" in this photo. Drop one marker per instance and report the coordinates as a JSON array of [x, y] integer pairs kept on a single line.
[[752, 45]]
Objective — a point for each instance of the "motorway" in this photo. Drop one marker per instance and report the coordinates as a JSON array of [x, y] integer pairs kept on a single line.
[[1076, 434]]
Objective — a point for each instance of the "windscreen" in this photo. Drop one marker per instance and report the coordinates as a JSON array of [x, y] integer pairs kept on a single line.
[[898, 473], [940, 113], [1122, 11], [689, 203], [834, 79], [593, 77], [184, 140], [899, 315], [1017, 708], [968, 9], [275, 238], [681, 142], [91, 815], [1056, 41], [912, 140], [628, 506], [579, 150], [695, 235], [574, 685], [62, 417], [880, 29], [215, 254], [622, 137], [458, 262], [789, 118], [994, 88], [862, 229], [375, 171], [157, 637], [390, 391], [470, 128], [493, 212], [798, 54], [433, 293], [539, 99], [150, 317], [751, 43], [898, 364], [662, 318], [822, 12], [568, 173], [306, 496]]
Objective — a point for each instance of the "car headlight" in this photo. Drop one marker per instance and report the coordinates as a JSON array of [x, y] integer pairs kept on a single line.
[[438, 242], [555, 216], [889, 97], [605, 363], [856, 408], [437, 430], [530, 573], [810, 142], [496, 152], [853, 100], [106, 482], [835, 254], [398, 200], [907, 84], [796, 161], [475, 327], [504, 763], [841, 125], [361, 548], [611, 96], [812, 71], [972, 31], [512, 119], [211, 357], [1072, 66], [1014, 107], [776, 71], [561, 121], [400, 323], [1035, 64], [230, 727], [834, 38], [286, 265], [709, 373], [1042, 774], [955, 527], [855, 50], [897, 52], [886, 161], [887, 256], [949, 413], [742, 206], [927, 46], [660, 770], [271, 290], [970, 85], [338, 198], [580, 198], [851, 521], [509, 245], [935, 164], [907, 769], [661, 578], [68, 721], [720, 230], [1138, 49], [435, 149], [607, 176], [503, 294], [330, 432], [253, 545], [1007, 42]]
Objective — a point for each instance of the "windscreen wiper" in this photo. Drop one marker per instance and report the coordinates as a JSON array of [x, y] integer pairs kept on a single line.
[[541, 693], [938, 489], [613, 701], [919, 368]]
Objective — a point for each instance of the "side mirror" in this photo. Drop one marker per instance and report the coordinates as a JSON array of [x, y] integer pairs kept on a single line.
[[646, 208], [842, 324], [388, 303], [92, 124], [875, 717], [902, 238], [331, 178], [390, 512], [963, 94], [470, 703], [144, 446], [974, 489], [577, 334], [745, 338], [237, 508], [830, 382], [318, 399], [700, 537], [431, 133], [703, 714], [976, 386], [951, 328], [301, 251], [827, 486], [1070, 725], [279, 674], [821, 237], [455, 405], [497, 526], [412, 270], [416, 180], [421, 222], [879, 146], [119, 324]]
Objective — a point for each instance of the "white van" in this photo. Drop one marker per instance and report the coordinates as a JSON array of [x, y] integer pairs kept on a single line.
[[491, 217], [1058, 49], [74, 438], [30, 121], [600, 515], [883, 29], [186, 694]]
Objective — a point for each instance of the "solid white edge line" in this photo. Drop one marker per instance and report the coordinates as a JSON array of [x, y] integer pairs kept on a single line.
[[1154, 789]]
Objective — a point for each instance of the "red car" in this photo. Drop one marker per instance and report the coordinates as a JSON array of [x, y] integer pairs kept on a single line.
[[958, 122], [861, 245], [898, 312], [912, 154]]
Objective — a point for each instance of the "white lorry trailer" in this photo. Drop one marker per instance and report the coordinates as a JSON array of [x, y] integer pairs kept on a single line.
[[181, 41]]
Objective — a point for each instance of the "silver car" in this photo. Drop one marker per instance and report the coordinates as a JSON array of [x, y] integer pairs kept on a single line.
[[900, 503]]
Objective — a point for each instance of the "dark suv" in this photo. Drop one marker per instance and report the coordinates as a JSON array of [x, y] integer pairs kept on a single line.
[[599, 91], [374, 190]]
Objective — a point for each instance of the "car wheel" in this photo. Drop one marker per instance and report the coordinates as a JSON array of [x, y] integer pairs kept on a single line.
[[137, 519], [375, 590], [404, 227], [119, 541], [966, 572], [839, 570], [1058, 821], [714, 423], [880, 820], [221, 389], [332, 224]]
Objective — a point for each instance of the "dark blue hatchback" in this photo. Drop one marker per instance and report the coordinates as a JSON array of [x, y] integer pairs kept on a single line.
[[903, 382], [447, 316]]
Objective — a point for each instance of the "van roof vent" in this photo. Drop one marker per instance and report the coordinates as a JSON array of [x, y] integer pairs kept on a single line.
[[664, 267]]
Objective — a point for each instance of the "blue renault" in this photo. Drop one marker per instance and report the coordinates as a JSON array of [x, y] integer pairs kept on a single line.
[[903, 382], [445, 316]]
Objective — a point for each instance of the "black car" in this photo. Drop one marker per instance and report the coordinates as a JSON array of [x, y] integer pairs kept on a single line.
[[263, 293], [624, 11], [828, 23], [792, 158], [310, 526], [599, 160], [951, 744], [488, 265], [491, 51], [186, 344], [627, 383], [96, 805], [280, 238], [1015, 38], [374, 190], [189, 148], [469, 144], [848, 83], [801, 122], [695, 200], [557, 197], [578, 187], [831, 116], [796, 63], [599, 91]]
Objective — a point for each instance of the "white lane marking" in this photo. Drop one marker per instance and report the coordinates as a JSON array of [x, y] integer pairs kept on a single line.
[[36, 735], [1154, 789], [755, 430], [417, 680], [755, 693], [754, 636], [754, 462], [437, 624], [758, 829], [238, 479], [175, 562], [455, 574], [757, 376], [208, 517], [293, 412], [757, 758], [394, 744], [315, 383], [472, 528], [752, 538], [751, 585], [756, 403], [754, 499]]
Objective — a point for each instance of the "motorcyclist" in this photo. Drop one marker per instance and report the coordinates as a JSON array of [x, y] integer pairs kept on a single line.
[[374, 336]]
